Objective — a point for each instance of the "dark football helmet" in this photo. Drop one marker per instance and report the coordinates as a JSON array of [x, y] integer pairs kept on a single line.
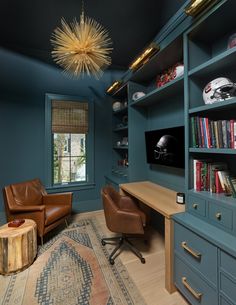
[[166, 149]]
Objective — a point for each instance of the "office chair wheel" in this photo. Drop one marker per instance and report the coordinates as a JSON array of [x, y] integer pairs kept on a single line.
[[142, 260], [111, 260], [103, 242]]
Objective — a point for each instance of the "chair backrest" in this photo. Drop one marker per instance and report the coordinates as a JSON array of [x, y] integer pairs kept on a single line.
[[25, 193], [110, 199]]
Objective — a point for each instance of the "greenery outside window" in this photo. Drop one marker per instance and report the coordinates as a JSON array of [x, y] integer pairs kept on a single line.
[[69, 141]]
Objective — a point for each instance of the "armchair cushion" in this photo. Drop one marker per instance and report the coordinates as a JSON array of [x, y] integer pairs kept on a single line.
[[53, 213], [28, 193]]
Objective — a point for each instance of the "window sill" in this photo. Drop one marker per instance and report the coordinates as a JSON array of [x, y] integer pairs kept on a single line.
[[69, 187]]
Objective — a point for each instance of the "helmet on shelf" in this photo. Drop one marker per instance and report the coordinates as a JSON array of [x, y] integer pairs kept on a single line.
[[166, 149], [116, 106], [219, 89]]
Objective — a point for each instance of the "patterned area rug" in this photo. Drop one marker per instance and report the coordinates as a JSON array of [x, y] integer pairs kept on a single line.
[[72, 268]]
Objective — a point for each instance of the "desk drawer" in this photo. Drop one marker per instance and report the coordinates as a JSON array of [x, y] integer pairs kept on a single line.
[[228, 276], [220, 215], [197, 205], [224, 302], [196, 251], [195, 289]]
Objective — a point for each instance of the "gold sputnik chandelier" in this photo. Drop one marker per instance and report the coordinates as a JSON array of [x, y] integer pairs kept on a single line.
[[81, 47]]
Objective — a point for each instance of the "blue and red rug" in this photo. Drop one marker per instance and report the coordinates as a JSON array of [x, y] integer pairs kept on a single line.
[[72, 268]]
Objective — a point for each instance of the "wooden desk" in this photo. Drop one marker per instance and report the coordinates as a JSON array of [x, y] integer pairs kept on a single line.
[[163, 201]]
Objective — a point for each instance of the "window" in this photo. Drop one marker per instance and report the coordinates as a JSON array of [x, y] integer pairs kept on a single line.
[[69, 138]]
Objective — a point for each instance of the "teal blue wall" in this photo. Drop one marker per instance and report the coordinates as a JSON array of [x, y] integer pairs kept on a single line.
[[24, 82], [165, 115]]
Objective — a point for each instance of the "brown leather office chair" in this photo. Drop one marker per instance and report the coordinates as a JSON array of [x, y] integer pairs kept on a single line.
[[30, 200], [122, 216]]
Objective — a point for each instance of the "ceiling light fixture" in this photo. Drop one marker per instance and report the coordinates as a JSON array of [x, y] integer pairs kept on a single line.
[[115, 86], [197, 6], [141, 60], [82, 47]]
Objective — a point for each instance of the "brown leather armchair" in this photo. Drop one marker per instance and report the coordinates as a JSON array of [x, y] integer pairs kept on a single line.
[[29, 199], [123, 216]]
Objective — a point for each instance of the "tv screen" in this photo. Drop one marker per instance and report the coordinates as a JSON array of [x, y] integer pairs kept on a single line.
[[165, 146]]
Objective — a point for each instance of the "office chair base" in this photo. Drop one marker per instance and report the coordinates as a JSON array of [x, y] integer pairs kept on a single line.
[[122, 240]]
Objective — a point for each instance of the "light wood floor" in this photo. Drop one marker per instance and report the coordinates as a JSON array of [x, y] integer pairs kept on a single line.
[[148, 277]]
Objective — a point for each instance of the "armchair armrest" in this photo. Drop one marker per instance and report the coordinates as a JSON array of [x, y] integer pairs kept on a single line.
[[27, 208], [58, 198]]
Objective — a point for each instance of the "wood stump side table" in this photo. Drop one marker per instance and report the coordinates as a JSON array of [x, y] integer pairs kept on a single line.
[[18, 246]]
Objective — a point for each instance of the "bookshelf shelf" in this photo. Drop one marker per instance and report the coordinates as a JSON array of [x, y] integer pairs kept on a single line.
[[124, 128], [223, 105], [213, 150], [120, 111], [120, 147], [174, 87], [213, 196], [222, 61]]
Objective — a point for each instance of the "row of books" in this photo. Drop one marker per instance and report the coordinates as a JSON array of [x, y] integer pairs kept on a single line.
[[207, 133], [213, 177]]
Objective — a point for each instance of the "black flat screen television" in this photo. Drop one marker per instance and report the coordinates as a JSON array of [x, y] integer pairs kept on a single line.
[[165, 146]]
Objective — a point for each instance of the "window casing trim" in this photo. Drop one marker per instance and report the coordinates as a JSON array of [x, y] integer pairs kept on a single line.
[[49, 146]]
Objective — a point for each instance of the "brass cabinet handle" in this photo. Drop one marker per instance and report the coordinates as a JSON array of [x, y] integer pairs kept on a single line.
[[197, 295], [218, 216], [195, 205], [197, 255]]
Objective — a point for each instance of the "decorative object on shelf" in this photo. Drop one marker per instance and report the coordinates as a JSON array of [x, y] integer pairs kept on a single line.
[[81, 47], [219, 89], [124, 141], [145, 56], [137, 95], [170, 74], [232, 41], [125, 120], [115, 86], [195, 7], [180, 198], [117, 106]]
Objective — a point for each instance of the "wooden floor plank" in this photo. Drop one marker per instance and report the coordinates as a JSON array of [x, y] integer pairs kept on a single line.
[[148, 277]]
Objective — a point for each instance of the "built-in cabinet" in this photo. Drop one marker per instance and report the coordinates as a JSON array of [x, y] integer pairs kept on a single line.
[[205, 235], [204, 250], [120, 141]]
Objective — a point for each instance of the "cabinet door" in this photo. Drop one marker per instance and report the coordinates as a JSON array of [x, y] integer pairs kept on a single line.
[[197, 205], [228, 276], [192, 285], [197, 251], [220, 215]]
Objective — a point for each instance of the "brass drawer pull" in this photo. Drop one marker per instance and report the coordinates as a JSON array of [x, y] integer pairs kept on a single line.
[[218, 216], [189, 250], [195, 206], [197, 295]]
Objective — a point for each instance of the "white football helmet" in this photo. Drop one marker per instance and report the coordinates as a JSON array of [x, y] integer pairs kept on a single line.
[[219, 89]]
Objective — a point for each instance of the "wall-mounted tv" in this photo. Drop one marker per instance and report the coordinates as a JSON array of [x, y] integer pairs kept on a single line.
[[165, 146]]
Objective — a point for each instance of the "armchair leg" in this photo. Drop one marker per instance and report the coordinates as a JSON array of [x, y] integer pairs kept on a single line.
[[66, 223], [41, 237]]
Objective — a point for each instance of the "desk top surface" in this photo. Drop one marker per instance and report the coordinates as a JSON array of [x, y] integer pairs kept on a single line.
[[157, 197]]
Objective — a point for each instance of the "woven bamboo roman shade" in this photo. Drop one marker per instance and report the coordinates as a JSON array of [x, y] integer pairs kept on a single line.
[[69, 117]]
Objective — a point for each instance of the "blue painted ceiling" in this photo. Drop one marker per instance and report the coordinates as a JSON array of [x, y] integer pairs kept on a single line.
[[26, 26]]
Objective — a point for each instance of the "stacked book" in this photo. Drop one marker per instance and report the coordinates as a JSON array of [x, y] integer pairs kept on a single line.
[[213, 177], [207, 133]]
